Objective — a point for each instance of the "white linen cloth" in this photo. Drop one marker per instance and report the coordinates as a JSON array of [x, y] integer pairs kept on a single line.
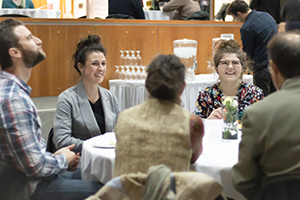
[[158, 15], [133, 92], [33, 13], [217, 159]]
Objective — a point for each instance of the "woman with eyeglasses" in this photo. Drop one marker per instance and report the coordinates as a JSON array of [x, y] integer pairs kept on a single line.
[[230, 63]]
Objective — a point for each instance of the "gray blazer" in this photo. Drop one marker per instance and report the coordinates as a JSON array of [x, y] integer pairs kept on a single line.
[[269, 151], [75, 121]]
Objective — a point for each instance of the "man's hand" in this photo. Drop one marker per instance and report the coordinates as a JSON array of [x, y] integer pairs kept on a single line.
[[71, 157]]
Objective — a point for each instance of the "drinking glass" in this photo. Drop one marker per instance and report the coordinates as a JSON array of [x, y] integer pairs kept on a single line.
[[133, 59], [139, 72], [127, 73], [122, 58], [144, 73], [138, 58], [122, 73], [117, 73], [128, 58], [230, 117]]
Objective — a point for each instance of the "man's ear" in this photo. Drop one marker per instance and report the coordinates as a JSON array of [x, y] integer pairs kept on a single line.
[[15, 52], [238, 14]]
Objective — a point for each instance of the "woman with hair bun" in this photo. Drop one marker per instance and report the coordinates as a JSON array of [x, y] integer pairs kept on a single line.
[[159, 131], [230, 64], [86, 109]]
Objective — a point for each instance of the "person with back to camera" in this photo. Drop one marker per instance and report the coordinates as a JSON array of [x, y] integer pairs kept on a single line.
[[86, 110], [159, 131], [22, 148], [125, 9], [230, 62], [269, 153], [17, 4], [185, 8]]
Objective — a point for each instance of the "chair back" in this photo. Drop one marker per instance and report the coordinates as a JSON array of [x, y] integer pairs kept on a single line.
[[50, 144], [13, 183], [286, 190]]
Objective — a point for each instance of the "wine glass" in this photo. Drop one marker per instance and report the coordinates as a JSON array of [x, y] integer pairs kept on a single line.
[[117, 73], [139, 72], [133, 59], [128, 58], [122, 73], [127, 73], [122, 58], [138, 58], [144, 73]]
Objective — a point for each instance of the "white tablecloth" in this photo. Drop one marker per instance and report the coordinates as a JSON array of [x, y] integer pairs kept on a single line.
[[133, 92], [158, 15], [217, 159], [33, 13]]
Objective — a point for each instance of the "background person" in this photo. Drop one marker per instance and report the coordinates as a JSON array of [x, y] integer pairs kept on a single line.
[[22, 147], [230, 63], [269, 153], [125, 9], [269, 6], [17, 4], [257, 30], [291, 15], [86, 109], [185, 8], [159, 131]]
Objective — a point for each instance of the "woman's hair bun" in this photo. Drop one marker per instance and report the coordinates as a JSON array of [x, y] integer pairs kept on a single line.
[[88, 41], [229, 44]]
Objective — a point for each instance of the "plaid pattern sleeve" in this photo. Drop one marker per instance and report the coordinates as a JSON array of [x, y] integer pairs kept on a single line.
[[21, 144]]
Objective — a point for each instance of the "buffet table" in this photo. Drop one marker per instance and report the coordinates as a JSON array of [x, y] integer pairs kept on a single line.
[[133, 92], [217, 159], [33, 13]]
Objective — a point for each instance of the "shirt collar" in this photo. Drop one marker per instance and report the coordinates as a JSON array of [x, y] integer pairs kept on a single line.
[[22, 84]]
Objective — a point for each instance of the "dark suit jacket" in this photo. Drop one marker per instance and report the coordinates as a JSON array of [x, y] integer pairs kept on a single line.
[[269, 151], [75, 121]]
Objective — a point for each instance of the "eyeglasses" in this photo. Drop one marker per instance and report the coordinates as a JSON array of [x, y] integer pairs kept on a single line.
[[226, 63]]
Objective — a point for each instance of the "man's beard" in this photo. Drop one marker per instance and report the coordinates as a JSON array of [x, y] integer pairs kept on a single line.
[[32, 58]]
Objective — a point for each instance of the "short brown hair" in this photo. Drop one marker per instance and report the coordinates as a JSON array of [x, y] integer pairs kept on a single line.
[[8, 40], [237, 6]]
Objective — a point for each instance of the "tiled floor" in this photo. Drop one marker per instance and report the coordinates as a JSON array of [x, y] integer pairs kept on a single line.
[[46, 107]]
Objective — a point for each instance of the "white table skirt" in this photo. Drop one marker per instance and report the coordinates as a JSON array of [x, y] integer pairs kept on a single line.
[[33, 13], [217, 159], [133, 92], [158, 15]]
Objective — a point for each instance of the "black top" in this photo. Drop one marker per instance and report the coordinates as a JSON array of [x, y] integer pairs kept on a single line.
[[291, 11], [99, 114], [270, 6], [132, 8]]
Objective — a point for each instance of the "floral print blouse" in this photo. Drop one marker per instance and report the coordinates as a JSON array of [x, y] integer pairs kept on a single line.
[[210, 98]]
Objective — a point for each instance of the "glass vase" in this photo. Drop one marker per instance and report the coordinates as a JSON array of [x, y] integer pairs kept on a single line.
[[230, 117]]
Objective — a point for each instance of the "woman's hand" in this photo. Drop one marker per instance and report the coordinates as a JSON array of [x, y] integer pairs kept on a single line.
[[216, 114]]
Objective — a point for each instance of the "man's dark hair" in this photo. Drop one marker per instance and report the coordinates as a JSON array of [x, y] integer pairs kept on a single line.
[[237, 6], [285, 53], [8, 40]]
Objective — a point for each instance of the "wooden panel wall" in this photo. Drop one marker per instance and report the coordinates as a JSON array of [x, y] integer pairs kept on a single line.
[[116, 38], [56, 73]]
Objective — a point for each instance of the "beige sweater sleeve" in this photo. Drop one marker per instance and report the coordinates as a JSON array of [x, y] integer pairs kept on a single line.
[[173, 5]]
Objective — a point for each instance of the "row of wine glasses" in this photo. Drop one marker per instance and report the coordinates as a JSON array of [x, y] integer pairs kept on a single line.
[[136, 72], [130, 58]]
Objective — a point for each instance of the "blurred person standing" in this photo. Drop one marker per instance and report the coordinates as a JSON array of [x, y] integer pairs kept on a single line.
[[125, 9], [185, 8], [291, 15], [269, 153], [257, 30], [269, 6]]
